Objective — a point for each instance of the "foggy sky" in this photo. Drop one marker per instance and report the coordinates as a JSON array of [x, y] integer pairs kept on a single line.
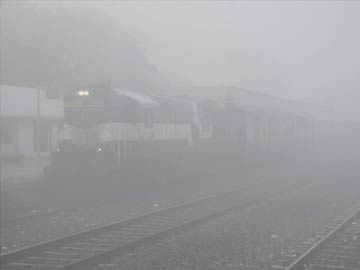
[[299, 50]]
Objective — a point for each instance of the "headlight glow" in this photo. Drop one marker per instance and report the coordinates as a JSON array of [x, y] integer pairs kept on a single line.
[[83, 93]]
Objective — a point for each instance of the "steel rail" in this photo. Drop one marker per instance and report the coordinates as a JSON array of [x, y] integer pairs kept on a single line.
[[305, 259], [139, 231]]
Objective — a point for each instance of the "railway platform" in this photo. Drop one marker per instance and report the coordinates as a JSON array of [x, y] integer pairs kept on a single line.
[[22, 172]]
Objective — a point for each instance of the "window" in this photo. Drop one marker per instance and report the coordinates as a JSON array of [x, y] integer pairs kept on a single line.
[[7, 131], [42, 137], [148, 123]]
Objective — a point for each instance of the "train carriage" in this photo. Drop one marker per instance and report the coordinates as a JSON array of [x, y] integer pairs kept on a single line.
[[104, 125]]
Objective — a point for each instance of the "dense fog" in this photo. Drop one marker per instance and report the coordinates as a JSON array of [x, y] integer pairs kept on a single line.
[[180, 135], [298, 50]]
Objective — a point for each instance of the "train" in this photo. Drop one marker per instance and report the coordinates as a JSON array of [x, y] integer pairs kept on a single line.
[[106, 125]]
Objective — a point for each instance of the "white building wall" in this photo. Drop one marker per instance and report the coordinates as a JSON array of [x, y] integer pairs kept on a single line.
[[24, 106], [23, 102]]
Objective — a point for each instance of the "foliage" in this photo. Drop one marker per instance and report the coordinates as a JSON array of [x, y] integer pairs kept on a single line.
[[65, 48]]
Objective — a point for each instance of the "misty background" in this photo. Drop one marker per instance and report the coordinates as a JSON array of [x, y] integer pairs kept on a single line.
[[298, 50], [239, 119]]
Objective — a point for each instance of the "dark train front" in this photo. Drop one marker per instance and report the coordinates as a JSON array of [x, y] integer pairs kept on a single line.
[[82, 150], [105, 126]]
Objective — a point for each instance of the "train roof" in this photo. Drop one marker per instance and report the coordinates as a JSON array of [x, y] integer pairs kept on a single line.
[[247, 97], [140, 98], [253, 101]]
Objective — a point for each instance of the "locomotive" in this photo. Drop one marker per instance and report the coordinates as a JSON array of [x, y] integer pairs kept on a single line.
[[105, 125]]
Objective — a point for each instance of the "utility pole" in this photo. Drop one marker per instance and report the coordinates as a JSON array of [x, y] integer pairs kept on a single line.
[[37, 139]]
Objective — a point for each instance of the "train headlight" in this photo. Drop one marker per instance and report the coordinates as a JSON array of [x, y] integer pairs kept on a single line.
[[99, 149], [83, 93], [58, 149]]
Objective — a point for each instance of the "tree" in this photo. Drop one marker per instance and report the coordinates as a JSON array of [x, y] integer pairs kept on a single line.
[[65, 47]]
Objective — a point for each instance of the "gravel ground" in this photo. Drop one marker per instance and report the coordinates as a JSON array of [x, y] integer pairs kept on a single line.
[[25, 232], [269, 236], [20, 234], [123, 205]]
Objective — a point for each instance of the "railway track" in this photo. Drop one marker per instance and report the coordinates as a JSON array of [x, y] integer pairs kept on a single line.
[[338, 249], [33, 216], [91, 247]]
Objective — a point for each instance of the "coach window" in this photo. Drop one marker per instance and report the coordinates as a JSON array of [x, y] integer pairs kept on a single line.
[[148, 121], [42, 138], [7, 131]]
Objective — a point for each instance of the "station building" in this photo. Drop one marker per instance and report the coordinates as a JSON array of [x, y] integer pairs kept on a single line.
[[30, 122]]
